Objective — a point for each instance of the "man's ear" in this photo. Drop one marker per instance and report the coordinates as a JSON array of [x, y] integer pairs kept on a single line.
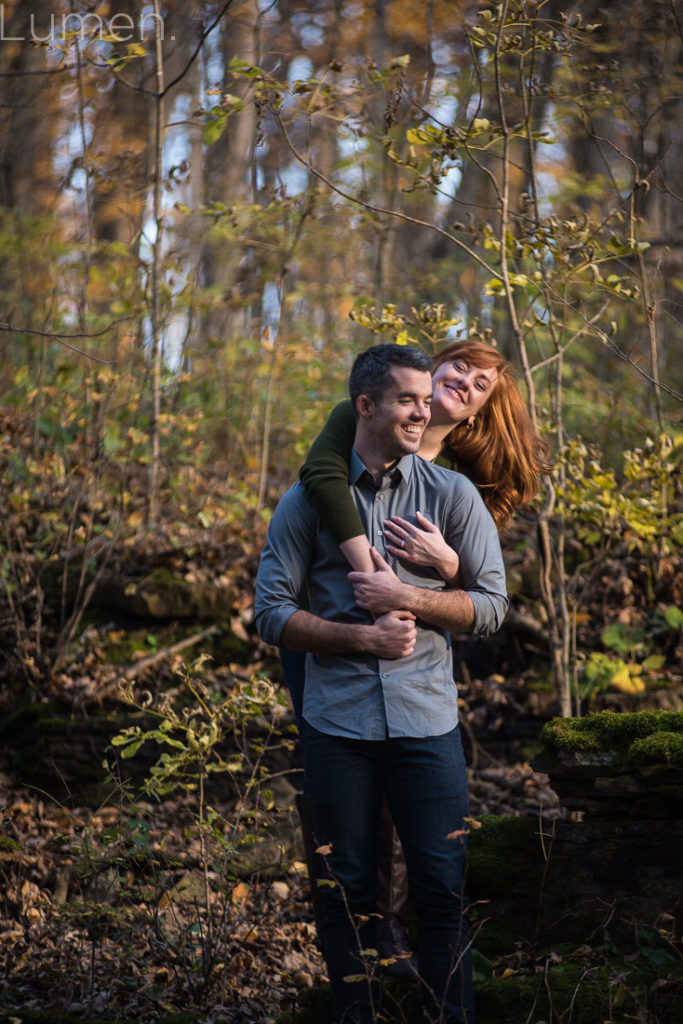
[[365, 406]]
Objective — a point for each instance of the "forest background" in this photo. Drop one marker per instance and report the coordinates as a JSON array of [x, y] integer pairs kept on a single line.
[[206, 211]]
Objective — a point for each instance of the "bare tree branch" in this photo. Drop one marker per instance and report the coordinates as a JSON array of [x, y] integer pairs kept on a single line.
[[379, 209], [62, 338]]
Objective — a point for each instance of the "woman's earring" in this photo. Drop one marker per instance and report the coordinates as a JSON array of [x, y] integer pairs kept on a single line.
[[470, 423]]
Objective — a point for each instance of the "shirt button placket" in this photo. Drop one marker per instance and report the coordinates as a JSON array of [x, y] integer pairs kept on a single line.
[[379, 516]]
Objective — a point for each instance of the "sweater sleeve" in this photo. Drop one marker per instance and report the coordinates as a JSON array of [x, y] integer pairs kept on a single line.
[[325, 475]]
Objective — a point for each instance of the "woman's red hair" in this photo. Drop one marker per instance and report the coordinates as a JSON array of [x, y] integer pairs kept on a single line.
[[501, 452]]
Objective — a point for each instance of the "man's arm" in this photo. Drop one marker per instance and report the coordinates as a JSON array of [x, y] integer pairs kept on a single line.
[[382, 590], [390, 636]]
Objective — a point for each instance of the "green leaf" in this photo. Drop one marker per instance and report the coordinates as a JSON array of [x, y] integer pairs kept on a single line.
[[132, 749], [519, 279], [494, 287], [215, 126], [426, 134], [673, 617]]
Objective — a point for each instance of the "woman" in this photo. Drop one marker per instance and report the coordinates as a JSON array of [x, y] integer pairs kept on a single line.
[[480, 425]]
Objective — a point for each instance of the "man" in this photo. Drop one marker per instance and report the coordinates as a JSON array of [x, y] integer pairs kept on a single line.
[[380, 704]]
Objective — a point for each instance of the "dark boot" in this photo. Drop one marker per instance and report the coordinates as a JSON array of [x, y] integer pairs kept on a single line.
[[314, 862], [392, 878]]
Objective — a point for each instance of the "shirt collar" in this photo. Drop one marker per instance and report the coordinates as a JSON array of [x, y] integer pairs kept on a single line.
[[404, 467]]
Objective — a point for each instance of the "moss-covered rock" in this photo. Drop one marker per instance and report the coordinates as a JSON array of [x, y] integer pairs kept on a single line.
[[161, 594], [616, 765], [533, 882], [615, 734]]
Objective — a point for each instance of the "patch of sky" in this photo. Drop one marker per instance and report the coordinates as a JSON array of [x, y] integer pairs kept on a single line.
[[299, 69], [473, 107], [214, 74], [270, 307], [352, 150], [212, 71], [312, 35], [294, 178], [450, 183], [70, 149], [173, 339], [443, 53], [77, 180], [177, 138], [353, 11], [551, 159], [442, 113]]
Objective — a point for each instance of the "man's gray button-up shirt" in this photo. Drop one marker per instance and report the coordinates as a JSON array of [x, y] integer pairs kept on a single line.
[[359, 695]]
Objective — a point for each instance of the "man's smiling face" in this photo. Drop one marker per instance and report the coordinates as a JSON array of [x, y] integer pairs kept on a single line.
[[400, 416]]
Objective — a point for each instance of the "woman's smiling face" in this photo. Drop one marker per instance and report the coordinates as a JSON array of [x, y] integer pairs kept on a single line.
[[460, 389]]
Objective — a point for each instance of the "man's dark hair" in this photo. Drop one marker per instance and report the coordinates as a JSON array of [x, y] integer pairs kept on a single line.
[[371, 371]]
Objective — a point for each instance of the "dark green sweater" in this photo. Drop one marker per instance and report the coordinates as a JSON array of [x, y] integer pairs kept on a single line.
[[325, 474]]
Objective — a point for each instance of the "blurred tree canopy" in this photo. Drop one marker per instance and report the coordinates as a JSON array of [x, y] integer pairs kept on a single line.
[[206, 210]]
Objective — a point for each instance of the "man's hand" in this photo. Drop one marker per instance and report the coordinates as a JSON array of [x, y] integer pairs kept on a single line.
[[380, 591], [391, 636], [394, 635]]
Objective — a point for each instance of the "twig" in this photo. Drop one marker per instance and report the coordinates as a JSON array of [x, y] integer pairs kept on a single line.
[[165, 652]]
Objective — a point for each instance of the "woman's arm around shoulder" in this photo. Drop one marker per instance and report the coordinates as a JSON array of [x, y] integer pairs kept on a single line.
[[325, 478]]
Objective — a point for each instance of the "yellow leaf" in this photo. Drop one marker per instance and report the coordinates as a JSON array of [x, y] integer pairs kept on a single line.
[[240, 894], [625, 682]]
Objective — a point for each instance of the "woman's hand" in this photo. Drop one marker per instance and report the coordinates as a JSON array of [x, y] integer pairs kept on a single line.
[[423, 544]]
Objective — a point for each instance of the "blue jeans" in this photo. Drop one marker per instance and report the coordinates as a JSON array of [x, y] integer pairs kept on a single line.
[[426, 785], [294, 672]]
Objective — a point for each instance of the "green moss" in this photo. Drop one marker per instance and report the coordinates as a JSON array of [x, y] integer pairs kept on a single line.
[[562, 734], [585, 985], [539, 684], [496, 851], [401, 1004], [563, 987], [528, 750], [504, 871], [9, 845], [609, 729], [662, 747]]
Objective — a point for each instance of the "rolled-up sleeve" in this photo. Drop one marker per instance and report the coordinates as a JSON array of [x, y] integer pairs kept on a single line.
[[284, 564], [490, 603], [482, 571]]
